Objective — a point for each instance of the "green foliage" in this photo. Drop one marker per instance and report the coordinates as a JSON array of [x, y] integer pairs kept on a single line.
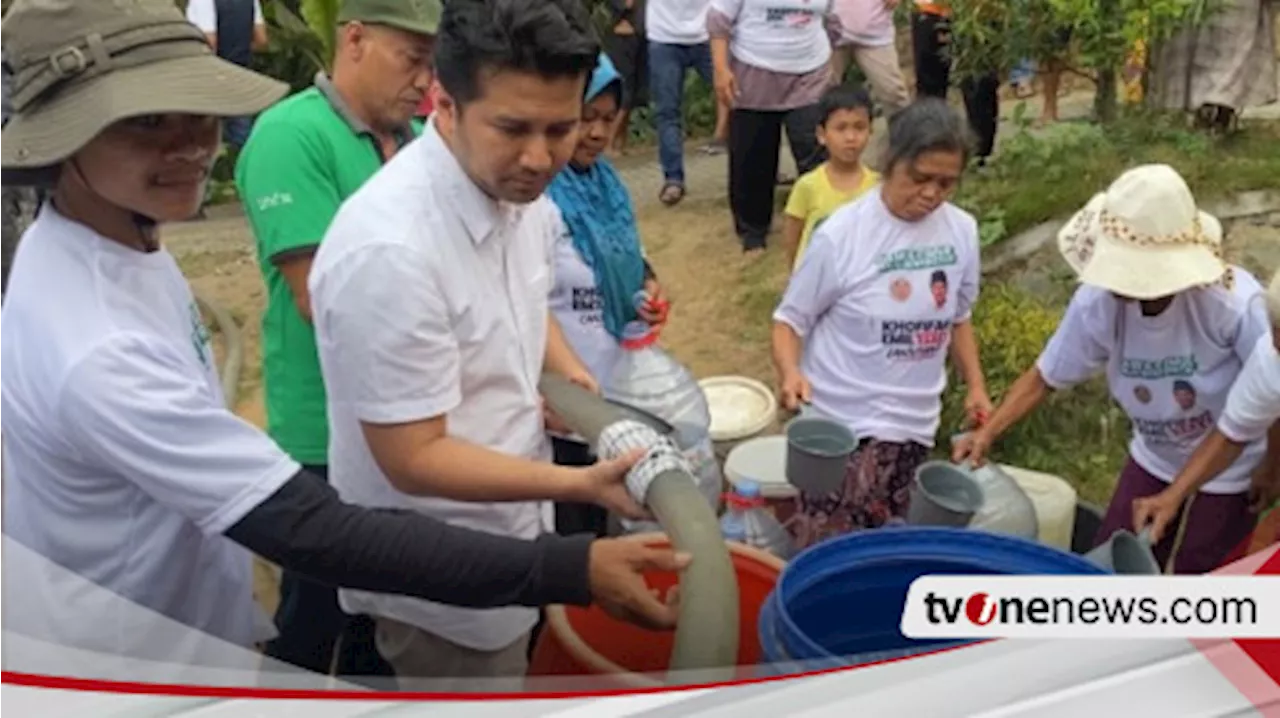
[[1044, 175], [997, 35], [1080, 434]]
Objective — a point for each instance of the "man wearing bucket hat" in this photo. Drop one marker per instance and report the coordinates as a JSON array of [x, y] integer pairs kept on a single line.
[[307, 154], [122, 463], [1159, 311]]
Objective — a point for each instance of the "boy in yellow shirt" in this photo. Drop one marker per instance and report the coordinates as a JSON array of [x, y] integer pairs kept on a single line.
[[844, 131]]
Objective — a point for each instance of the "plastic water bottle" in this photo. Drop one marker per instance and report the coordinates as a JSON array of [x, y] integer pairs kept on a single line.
[[747, 520], [649, 379]]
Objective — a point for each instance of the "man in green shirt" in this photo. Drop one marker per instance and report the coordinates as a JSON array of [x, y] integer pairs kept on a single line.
[[306, 155]]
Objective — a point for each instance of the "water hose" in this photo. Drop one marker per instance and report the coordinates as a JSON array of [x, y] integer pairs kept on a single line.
[[230, 373], [706, 637]]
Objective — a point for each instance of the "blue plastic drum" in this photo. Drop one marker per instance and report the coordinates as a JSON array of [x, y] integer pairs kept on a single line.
[[840, 602]]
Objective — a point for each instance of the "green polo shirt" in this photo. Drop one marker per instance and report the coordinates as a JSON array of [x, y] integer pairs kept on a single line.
[[305, 156]]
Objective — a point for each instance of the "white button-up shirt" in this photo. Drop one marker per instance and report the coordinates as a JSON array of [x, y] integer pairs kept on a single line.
[[430, 298]]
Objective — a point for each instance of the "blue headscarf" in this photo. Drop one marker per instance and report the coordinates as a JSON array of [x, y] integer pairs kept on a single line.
[[597, 210]]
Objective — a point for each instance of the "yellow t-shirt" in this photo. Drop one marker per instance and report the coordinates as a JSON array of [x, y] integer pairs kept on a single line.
[[813, 199]]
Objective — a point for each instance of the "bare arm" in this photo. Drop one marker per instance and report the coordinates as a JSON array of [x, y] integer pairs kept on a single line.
[[295, 267], [420, 458], [792, 230], [1025, 395], [787, 348], [1213, 456], [260, 39], [964, 352], [212, 39], [561, 359]]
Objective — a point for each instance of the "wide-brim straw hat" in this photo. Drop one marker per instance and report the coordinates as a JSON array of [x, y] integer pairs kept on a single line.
[[1145, 238], [81, 65]]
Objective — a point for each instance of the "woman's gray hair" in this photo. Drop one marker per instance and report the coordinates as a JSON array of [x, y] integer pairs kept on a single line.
[[926, 125]]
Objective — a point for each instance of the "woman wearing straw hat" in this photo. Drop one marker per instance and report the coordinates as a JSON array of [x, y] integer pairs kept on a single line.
[[1171, 325], [1252, 414], [121, 463]]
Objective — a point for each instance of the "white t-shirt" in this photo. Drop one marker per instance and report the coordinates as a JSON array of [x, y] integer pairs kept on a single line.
[[875, 298], [1253, 404], [788, 36], [1170, 373], [204, 14], [121, 462], [677, 22], [577, 304], [430, 299]]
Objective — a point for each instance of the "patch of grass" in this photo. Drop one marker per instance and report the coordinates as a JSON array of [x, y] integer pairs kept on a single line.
[[1048, 174]]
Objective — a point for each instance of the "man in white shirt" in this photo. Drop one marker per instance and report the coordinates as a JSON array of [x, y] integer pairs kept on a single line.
[[429, 299], [678, 42], [236, 29]]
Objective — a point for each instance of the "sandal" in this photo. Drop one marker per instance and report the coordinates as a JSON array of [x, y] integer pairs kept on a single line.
[[671, 194]]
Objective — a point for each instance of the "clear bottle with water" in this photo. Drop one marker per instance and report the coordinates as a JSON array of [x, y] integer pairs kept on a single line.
[[647, 378], [747, 520]]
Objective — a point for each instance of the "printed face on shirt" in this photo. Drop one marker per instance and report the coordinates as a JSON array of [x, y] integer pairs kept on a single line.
[[914, 189], [938, 287], [517, 134], [599, 117], [392, 70], [1185, 395], [845, 134], [155, 165]]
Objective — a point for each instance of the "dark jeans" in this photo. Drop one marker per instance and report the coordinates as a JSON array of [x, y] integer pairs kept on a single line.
[[755, 137], [930, 39], [312, 626], [235, 131], [668, 65]]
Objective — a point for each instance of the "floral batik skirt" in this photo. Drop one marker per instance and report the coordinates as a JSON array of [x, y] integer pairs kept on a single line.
[[876, 491]]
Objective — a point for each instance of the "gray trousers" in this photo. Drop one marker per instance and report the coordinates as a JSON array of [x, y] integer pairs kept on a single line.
[[424, 661]]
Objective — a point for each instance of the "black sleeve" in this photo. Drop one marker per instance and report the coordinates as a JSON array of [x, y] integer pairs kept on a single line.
[[306, 528]]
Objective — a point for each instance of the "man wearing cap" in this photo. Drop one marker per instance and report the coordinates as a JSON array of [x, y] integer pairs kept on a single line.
[[306, 156], [123, 466]]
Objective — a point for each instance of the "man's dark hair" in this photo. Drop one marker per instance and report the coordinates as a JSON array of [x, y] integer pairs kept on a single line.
[[843, 97], [938, 277], [551, 38]]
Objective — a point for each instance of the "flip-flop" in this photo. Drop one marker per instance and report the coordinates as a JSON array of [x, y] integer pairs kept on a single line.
[[671, 193]]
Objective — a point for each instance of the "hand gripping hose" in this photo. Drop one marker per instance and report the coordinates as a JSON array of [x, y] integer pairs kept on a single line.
[[706, 637]]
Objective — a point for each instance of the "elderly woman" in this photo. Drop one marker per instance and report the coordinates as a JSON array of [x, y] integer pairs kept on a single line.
[[599, 267], [859, 333], [772, 62], [1252, 413], [1171, 325]]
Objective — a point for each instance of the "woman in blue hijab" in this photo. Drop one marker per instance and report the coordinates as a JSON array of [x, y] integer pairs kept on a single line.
[[604, 289]]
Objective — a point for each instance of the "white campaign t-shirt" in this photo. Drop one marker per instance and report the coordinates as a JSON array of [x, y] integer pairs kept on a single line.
[[677, 22], [875, 299], [1253, 404], [1170, 373], [121, 462], [577, 304], [429, 299], [788, 36]]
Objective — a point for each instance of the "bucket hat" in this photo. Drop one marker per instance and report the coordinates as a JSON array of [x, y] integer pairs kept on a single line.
[[1145, 238], [81, 65]]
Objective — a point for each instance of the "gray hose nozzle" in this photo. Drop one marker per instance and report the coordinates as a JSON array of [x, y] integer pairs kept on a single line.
[[707, 634]]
